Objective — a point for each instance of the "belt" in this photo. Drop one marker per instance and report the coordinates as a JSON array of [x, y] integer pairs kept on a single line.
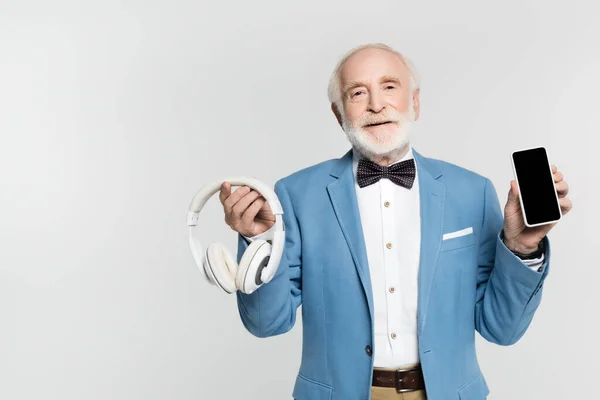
[[404, 380]]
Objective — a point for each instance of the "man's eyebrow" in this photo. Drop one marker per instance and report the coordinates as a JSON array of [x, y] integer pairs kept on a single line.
[[390, 78], [386, 78], [353, 84]]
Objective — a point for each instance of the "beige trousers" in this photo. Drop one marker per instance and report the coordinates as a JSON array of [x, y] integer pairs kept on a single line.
[[386, 393]]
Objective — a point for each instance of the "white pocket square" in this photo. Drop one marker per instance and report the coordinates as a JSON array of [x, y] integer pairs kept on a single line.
[[462, 232]]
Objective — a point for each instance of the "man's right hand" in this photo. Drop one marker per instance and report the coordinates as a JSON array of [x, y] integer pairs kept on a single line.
[[246, 211]]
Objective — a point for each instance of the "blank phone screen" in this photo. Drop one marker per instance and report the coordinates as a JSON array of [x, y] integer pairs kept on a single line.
[[536, 185]]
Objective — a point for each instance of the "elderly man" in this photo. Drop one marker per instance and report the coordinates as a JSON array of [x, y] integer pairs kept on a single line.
[[396, 258]]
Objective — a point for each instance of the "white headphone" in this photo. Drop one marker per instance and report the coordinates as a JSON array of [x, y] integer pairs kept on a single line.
[[259, 262]]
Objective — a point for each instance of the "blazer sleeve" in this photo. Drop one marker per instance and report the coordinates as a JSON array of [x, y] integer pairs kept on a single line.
[[508, 292], [271, 309]]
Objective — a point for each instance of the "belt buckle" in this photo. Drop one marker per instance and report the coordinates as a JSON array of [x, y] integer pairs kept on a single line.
[[398, 380]]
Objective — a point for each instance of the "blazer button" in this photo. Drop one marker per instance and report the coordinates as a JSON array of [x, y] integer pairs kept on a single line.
[[369, 350]]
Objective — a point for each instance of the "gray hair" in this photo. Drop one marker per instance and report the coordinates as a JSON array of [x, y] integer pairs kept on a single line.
[[334, 91]]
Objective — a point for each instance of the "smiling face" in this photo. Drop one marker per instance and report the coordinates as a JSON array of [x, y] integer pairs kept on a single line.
[[379, 105]]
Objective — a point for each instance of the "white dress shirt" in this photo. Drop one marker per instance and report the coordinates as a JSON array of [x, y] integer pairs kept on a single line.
[[390, 217]]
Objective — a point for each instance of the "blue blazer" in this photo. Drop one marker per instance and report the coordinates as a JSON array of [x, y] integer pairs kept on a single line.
[[466, 284]]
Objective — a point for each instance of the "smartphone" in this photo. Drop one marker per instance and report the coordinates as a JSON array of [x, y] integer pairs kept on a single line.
[[537, 193]]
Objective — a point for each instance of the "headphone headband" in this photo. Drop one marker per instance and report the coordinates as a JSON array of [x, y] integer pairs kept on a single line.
[[210, 189]]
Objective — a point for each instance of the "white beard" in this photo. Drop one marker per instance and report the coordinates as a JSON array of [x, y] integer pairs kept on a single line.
[[375, 145]]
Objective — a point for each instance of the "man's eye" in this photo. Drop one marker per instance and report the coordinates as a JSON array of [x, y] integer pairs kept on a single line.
[[390, 87], [356, 93]]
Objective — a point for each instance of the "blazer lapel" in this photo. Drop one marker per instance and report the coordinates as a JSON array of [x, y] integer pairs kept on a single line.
[[432, 192], [342, 194]]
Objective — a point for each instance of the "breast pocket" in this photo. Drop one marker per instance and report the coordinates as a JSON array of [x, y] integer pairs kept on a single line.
[[458, 239]]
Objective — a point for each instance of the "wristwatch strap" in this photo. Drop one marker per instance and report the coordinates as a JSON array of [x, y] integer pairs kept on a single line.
[[529, 256]]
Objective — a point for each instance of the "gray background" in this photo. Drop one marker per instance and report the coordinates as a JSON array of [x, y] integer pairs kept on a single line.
[[113, 114]]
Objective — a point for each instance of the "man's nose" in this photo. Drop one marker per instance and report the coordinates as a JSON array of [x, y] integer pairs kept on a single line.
[[376, 102]]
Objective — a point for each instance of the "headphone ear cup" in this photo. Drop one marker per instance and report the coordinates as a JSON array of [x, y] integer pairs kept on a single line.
[[207, 271], [223, 267], [199, 258], [254, 259]]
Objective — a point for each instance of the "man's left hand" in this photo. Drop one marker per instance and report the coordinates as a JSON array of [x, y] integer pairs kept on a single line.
[[519, 237]]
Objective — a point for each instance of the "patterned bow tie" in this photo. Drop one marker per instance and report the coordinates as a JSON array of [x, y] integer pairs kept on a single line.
[[402, 173]]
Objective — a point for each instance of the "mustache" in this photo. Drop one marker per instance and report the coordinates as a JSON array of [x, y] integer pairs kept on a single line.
[[371, 122], [371, 119]]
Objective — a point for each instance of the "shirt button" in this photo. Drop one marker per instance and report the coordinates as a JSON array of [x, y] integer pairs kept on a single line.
[[389, 245], [393, 335], [387, 204], [369, 350], [392, 290]]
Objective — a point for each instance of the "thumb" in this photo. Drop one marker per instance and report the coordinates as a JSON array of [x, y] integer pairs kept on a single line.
[[513, 194]]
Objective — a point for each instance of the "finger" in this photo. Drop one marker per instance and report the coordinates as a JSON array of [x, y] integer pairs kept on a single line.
[[241, 206], [565, 205], [558, 176], [251, 212], [562, 188], [225, 192], [554, 169], [513, 192], [235, 197]]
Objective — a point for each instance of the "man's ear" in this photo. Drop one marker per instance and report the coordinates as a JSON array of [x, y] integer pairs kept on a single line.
[[337, 114], [416, 103]]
